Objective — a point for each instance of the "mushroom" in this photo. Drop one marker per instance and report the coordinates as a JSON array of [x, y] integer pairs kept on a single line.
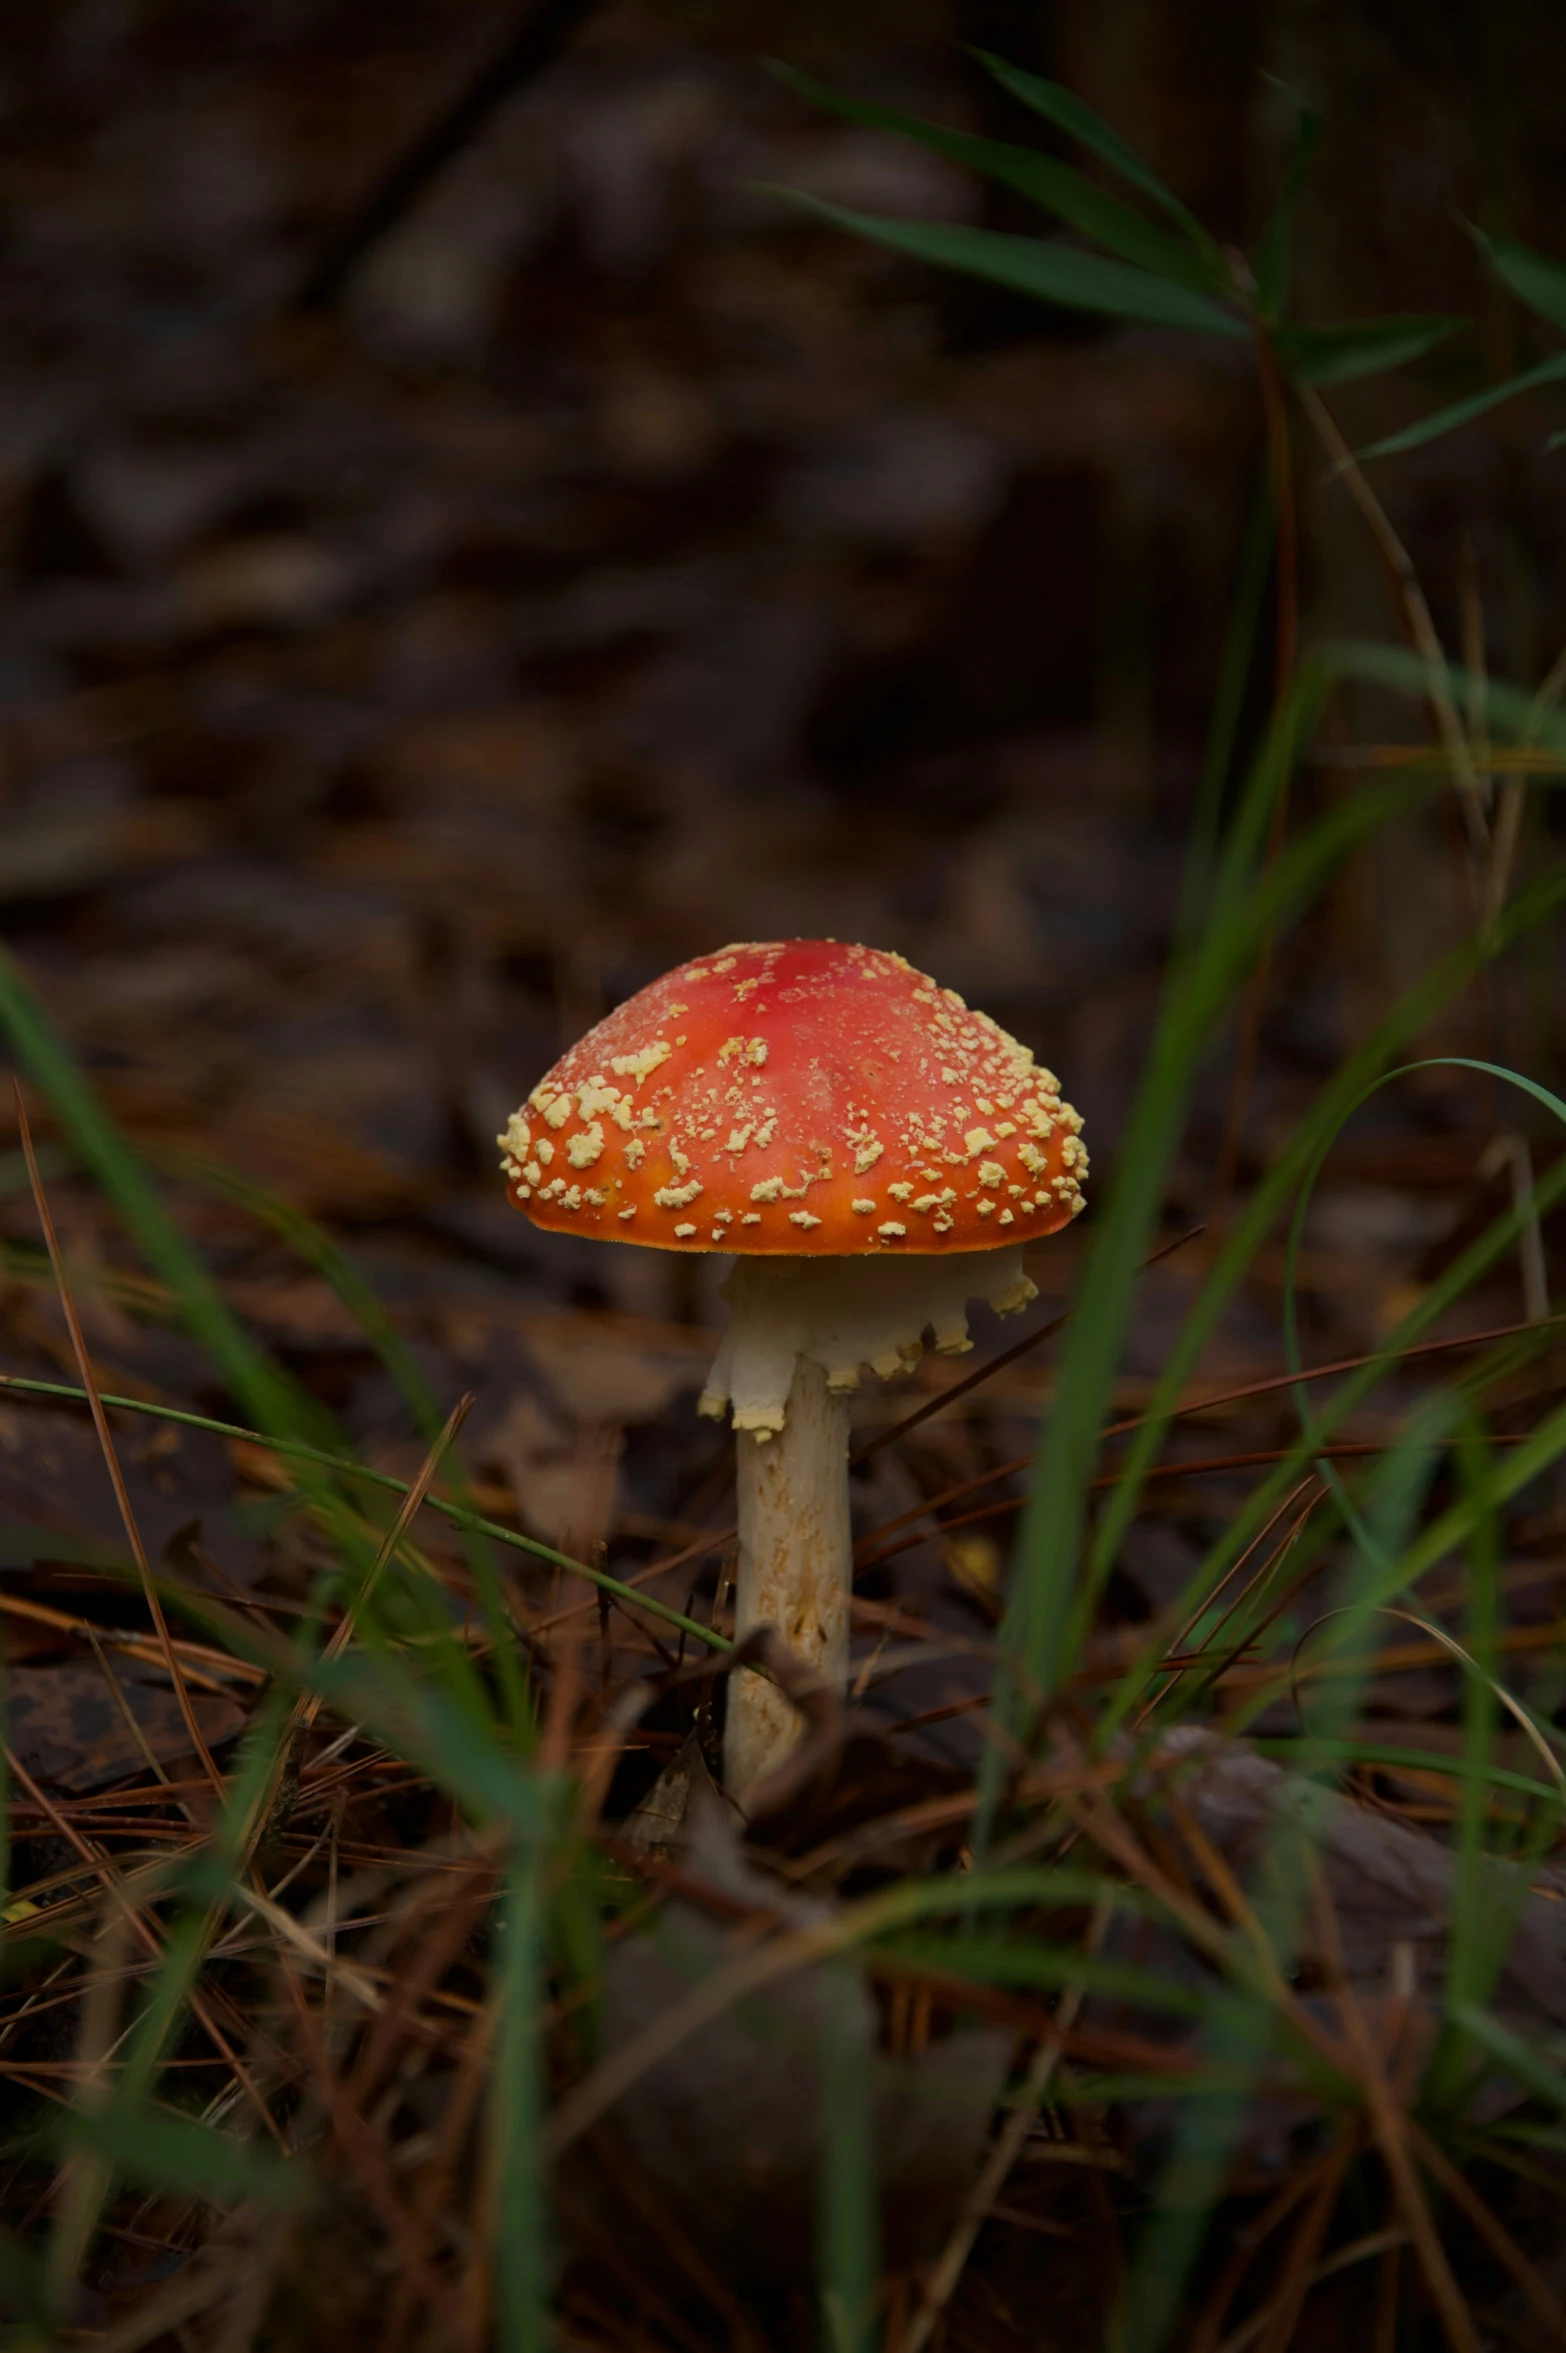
[[873, 1154]]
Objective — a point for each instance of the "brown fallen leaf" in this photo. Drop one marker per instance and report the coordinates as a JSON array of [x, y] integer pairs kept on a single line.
[[64, 1724]]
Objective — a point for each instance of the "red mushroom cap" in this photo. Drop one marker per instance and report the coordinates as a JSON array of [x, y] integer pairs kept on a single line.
[[798, 1098]]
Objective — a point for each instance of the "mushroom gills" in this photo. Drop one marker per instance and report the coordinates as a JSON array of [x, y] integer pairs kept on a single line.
[[842, 1313]]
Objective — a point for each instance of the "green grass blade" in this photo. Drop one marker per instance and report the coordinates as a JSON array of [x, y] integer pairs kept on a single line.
[[1518, 2057], [1485, 1910], [159, 2150], [1026, 1962], [1397, 1496], [160, 2017], [1248, 1521], [1057, 274], [318, 1250], [1055, 187], [1343, 353], [1039, 1627], [25, 2297], [1293, 1750], [279, 1407], [1245, 2031], [1514, 1471], [1275, 253], [1533, 277], [1208, 2123], [847, 2189], [52, 1161], [1234, 670], [1463, 412], [1077, 119], [413, 1717], [1510, 711], [1336, 1104], [285, 1416], [1057, 1886], [297, 1450], [1303, 1404], [268, 1396], [515, 2111]]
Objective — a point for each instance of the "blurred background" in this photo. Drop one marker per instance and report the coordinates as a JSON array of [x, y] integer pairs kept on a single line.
[[416, 641]]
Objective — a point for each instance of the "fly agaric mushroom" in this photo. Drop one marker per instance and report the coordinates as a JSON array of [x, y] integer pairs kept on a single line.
[[874, 1154]]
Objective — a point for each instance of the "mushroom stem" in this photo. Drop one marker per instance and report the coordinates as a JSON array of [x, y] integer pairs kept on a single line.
[[800, 1329], [795, 1566]]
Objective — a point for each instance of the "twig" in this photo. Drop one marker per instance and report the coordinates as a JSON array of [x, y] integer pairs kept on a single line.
[[1530, 1241], [995, 1364], [296, 1449], [1205, 1653], [541, 34], [365, 2154], [1259, 1458], [79, 2183], [1516, 1637], [942, 2282], [1416, 612], [1200, 1405], [105, 1871], [1509, 810], [1512, 759], [1491, 2229], [429, 2196], [1393, 2129], [309, 1705], [1299, 2269], [133, 1727], [1374, 2242], [136, 1646], [455, 1919], [322, 1956], [1246, 2244]]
